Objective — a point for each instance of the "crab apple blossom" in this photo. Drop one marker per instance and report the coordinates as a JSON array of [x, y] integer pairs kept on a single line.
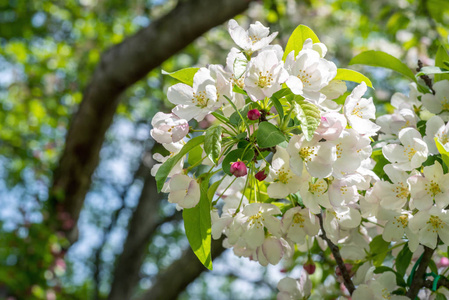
[[297, 223], [435, 128], [265, 75], [331, 126], [438, 103], [318, 157], [359, 111], [378, 288], [314, 193], [411, 154], [168, 128], [397, 226], [283, 180], [197, 101], [430, 225], [432, 186], [253, 39], [294, 289], [184, 191], [309, 73], [394, 195], [272, 251], [259, 216]]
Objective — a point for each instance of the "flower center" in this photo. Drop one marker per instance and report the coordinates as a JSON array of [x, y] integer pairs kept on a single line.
[[307, 153], [256, 220], [254, 39], [445, 104], [200, 99], [410, 152], [317, 187], [357, 111], [435, 222], [284, 176], [401, 221], [432, 188], [298, 219], [265, 80], [304, 77], [401, 190], [339, 150]]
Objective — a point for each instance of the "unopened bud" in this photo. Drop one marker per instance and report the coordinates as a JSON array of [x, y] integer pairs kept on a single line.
[[310, 267], [238, 169], [261, 175], [254, 114]]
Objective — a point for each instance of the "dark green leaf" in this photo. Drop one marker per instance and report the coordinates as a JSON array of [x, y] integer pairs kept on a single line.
[[183, 75], [164, 170], [308, 115], [440, 58], [235, 155], [268, 135], [296, 40], [278, 106], [403, 260], [433, 267], [384, 60], [197, 224], [440, 297], [235, 117], [212, 142]]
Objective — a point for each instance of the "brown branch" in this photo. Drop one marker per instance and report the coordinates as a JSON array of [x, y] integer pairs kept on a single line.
[[418, 280], [425, 78], [442, 281], [119, 68], [169, 283], [339, 260]]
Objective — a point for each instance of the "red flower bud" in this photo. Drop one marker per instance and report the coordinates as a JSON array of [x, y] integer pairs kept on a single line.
[[261, 175], [310, 267], [254, 114], [238, 169]]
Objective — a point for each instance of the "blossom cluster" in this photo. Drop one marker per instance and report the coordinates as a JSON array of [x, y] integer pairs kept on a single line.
[[290, 157]]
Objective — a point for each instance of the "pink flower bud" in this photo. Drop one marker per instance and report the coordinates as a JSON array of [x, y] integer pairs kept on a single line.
[[261, 175], [254, 114], [444, 262], [238, 168], [310, 267]]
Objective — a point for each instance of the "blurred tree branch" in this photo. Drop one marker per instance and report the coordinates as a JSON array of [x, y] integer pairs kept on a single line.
[[119, 68]]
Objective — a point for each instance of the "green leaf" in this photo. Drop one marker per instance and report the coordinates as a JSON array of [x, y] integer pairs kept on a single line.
[[213, 188], [268, 135], [384, 60], [432, 70], [278, 106], [197, 224], [381, 161], [354, 76], [167, 166], [378, 249], [440, 58], [444, 153], [440, 297], [235, 117], [308, 115], [235, 155], [399, 279], [212, 142], [296, 40], [403, 260], [183, 75], [195, 155]]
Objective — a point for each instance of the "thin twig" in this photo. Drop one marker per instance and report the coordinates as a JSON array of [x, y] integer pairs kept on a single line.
[[336, 252], [426, 78]]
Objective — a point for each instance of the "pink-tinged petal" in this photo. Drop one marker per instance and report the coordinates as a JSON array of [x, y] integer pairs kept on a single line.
[[261, 258], [273, 250], [179, 132], [180, 94], [186, 112], [176, 196]]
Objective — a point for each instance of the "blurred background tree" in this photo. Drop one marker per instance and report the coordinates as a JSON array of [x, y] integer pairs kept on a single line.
[[80, 217]]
